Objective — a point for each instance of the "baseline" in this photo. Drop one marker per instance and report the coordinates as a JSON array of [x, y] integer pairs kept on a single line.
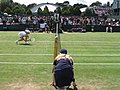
[[37, 63]]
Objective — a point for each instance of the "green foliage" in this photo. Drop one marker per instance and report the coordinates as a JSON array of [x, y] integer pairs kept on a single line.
[[108, 4], [46, 11], [65, 11], [58, 10], [97, 3], [18, 9], [88, 12], [8, 10], [39, 11], [4, 4], [71, 10], [28, 12], [9, 6], [79, 5], [76, 11]]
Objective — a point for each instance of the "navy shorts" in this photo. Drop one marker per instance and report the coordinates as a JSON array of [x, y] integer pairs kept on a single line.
[[63, 77]]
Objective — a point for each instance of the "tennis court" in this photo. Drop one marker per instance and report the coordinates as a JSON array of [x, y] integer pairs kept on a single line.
[[28, 67]]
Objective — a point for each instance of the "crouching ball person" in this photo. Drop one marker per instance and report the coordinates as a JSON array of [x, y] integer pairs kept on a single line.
[[63, 74], [23, 36]]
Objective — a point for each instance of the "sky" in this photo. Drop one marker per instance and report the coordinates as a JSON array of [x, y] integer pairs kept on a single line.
[[72, 2]]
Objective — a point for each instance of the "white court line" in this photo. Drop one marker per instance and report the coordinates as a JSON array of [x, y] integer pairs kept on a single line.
[[22, 63], [52, 55], [26, 54], [69, 41], [33, 63]]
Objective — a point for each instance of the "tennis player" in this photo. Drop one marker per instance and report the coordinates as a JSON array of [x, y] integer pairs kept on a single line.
[[23, 36], [63, 74]]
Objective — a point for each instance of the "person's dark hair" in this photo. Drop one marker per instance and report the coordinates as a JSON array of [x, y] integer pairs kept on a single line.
[[63, 51]]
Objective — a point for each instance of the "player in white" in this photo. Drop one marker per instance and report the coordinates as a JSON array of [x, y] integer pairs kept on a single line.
[[23, 36]]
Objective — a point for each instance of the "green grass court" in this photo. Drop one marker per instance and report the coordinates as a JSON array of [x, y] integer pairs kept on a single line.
[[28, 67]]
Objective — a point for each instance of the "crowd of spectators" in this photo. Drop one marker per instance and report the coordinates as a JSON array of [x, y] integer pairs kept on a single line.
[[34, 21], [43, 21], [75, 20], [65, 20]]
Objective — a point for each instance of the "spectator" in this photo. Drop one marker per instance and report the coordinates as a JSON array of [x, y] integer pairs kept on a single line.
[[109, 27], [4, 21]]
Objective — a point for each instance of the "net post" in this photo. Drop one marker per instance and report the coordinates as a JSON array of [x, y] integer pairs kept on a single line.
[[56, 20], [55, 46]]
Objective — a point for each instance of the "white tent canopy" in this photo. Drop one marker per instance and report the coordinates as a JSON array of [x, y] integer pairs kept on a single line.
[[83, 9], [50, 6]]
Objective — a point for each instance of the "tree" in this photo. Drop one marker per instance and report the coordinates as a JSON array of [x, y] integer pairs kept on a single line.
[[76, 11], [108, 4], [29, 12], [88, 12], [8, 10], [46, 11], [70, 10], [18, 10], [39, 11], [97, 3], [58, 10], [4, 4], [65, 11], [80, 5]]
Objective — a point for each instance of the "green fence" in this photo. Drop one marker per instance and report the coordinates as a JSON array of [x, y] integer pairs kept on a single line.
[[18, 27], [101, 28], [68, 28]]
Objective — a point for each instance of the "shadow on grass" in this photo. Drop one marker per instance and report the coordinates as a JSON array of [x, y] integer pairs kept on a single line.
[[75, 88], [26, 44]]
